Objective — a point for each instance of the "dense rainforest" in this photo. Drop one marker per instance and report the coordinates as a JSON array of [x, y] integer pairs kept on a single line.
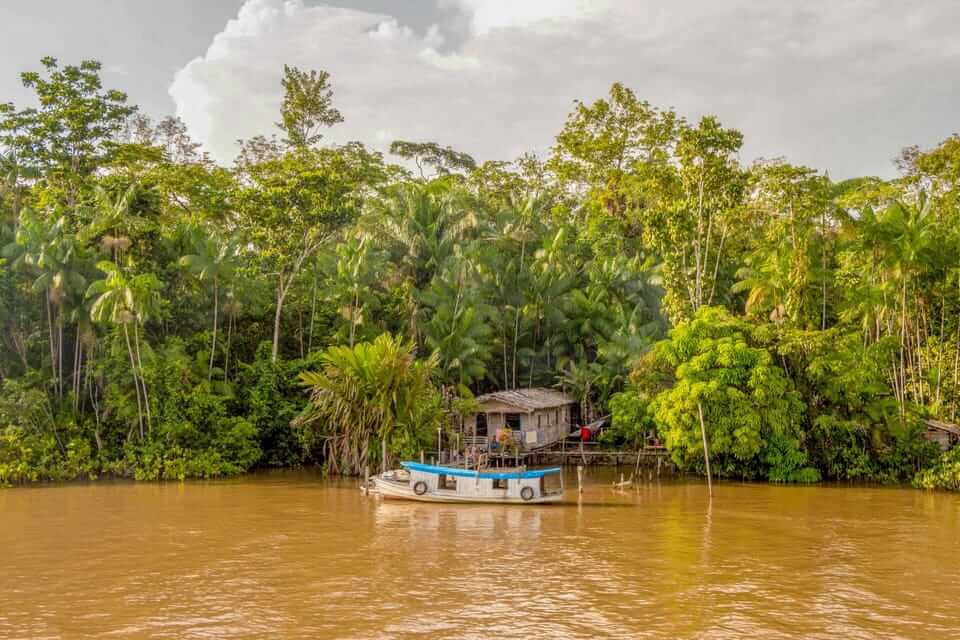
[[164, 316]]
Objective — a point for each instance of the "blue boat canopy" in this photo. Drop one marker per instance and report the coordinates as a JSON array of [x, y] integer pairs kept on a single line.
[[469, 473]]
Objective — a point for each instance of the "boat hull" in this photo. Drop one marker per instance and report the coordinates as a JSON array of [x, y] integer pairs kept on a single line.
[[403, 491]]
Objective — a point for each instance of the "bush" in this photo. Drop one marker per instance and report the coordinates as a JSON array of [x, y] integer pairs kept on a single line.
[[945, 474]]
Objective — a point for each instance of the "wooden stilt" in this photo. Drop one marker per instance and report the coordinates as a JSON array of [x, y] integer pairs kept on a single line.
[[706, 450], [580, 478]]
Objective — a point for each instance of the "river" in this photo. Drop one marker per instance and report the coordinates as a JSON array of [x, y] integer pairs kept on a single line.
[[292, 555]]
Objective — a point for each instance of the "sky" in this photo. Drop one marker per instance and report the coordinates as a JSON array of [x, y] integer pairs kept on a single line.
[[837, 85]]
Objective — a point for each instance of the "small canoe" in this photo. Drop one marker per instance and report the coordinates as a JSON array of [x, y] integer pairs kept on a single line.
[[431, 483]]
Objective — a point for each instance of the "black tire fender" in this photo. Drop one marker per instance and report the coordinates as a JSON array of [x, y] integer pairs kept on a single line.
[[419, 487], [526, 493]]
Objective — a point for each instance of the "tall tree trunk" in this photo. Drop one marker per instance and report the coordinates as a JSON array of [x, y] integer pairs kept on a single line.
[[77, 362], [51, 340], [96, 411], [313, 312], [823, 268], [59, 356], [282, 286], [226, 355], [143, 382], [353, 317], [136, 378], [516, 324], [503, 342], [213, 347]]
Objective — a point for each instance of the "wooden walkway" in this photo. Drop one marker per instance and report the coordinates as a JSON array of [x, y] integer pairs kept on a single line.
[[573, 453]]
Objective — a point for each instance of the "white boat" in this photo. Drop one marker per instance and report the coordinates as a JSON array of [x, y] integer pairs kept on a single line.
[[430, 483]]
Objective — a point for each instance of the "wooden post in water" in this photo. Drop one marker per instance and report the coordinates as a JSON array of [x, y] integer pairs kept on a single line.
[[580, 478], [383, 453], [706, 450], [366, 478]]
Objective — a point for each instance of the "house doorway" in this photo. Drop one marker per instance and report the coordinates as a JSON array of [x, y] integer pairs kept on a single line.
[[482, 424]]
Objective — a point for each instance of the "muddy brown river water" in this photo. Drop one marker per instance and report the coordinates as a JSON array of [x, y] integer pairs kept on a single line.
[[292, 555]]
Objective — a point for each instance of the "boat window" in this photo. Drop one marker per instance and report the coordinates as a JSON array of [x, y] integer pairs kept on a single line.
[[499, 483], [447, 482]]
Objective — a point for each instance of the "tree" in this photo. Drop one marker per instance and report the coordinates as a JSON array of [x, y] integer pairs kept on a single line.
[[126, 300], [601, 143], [444, 160], [373, 391], [54, 257], [307, 106], [786, 274], [352, 284], [290, 206], [457, 329], [751, 413], [214, 259], [72, 131], [694, 216]]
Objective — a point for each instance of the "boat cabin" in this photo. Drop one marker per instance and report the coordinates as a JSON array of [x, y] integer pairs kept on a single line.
[[533, 417], [430, 483]]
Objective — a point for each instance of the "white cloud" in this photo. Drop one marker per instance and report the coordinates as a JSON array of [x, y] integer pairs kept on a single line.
[[836, 84]]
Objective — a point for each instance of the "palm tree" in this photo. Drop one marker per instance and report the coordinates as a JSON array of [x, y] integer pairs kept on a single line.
[[54, 257], [353, 275], [421, 225], [124, 300], [374, 390], [114, 223], [457, 330], [214, 259], [12, 171], [232, 308]]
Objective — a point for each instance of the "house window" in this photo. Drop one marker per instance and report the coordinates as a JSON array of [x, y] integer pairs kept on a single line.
[[539, 418], [499, 483], [513, 421], [556, 416]]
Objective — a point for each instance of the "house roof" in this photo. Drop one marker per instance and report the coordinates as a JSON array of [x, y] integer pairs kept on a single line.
[[528, 399], [943, 426]]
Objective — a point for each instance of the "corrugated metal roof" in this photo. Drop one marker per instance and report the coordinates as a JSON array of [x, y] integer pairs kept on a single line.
[[944, 426], [529, 399]]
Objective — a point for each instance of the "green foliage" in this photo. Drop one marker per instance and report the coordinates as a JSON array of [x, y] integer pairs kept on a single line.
[[631, 420], [271, 400], [157, 311], [72, 130], [751, 411], [944, 474], [307, 106], [372, 392], [444, 160]]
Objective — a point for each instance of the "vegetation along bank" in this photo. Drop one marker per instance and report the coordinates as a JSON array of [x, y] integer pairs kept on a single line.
[[165, 317]]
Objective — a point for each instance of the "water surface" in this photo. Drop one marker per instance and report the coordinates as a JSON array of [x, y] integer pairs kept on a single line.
[[293, 555]]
